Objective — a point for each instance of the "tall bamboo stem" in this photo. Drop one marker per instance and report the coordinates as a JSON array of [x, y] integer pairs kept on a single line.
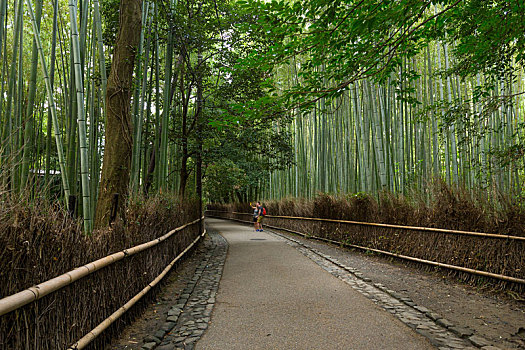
[[51, 102], [81, 118]]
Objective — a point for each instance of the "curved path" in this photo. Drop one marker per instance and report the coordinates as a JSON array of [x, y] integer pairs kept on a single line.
[[272, 296]]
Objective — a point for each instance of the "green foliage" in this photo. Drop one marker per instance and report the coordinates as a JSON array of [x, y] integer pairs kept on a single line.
[[109, 10], [488, 35], [238, 126], [223, 179], [346, 41], [432, 87], [252, 151], [361, 86]]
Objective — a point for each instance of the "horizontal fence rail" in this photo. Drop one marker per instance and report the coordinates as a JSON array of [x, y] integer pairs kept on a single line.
[[34, 293], [411, 228], [88, 338], [501, 277]]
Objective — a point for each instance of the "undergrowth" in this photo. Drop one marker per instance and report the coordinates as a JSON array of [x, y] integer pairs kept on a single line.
[[41, 240], [439, 206]]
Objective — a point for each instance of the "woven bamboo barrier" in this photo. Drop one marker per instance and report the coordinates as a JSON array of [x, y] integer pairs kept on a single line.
[[412, 228], [58, 312], [428, 262], [509, 247], [88, 338], [29, 295]]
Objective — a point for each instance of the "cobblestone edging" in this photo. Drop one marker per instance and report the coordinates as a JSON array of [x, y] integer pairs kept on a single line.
[[439, 331], [188, 319]]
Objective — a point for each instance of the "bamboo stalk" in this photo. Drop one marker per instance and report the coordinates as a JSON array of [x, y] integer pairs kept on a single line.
[[7, 129], [83, 34], [17, 130], [451, 129], [81, 117], [155, 162], [51, 102], [100, 43], [52, 82], [166, 105], [3, 10], [138, 102], [94, 109], [28, 139], [3, 75]]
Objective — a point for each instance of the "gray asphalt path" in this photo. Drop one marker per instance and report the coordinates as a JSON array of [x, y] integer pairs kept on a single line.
[[273, 297]]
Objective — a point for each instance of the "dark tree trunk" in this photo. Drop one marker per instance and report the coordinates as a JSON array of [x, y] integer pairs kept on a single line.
[[151, 170], [198, 118], [119, 138], [183, 173]]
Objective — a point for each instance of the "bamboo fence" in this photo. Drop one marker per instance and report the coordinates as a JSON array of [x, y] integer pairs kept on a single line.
[[32, 294], [507, 239], [89, 337]]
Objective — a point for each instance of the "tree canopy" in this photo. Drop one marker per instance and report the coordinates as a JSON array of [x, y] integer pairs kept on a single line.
[[345, 41], [264, 98]]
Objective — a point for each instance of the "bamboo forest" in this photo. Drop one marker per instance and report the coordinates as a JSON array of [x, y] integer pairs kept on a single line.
[[267, 110], [123, 119]]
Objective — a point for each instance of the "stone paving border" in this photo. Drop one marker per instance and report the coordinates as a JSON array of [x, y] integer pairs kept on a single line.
[[439, 331], [188, 319]]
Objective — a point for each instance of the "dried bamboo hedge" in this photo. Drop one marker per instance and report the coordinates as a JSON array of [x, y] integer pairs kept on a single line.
[[40, 247], [499, 256]]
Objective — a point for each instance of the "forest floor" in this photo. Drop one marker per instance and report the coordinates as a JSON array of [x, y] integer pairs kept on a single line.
[[492, 316]]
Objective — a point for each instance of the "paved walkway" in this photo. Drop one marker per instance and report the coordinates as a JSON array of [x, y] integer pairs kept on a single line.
[[263, 290], [272, 296]]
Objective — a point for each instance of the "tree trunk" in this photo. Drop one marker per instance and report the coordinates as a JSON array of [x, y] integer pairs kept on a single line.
[[119, 139], [149, 176], [198, 118], [184, 173]]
